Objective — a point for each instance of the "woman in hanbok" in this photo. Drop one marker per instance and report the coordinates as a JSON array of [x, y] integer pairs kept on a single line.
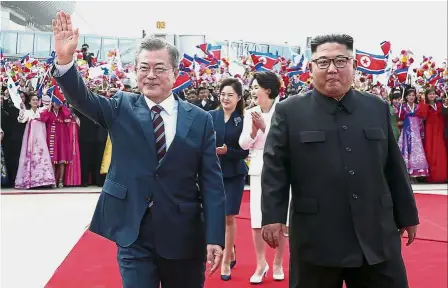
[[58, 138], [35, 169], [73, 168], [434, 142], [4, 173], [412, 133]]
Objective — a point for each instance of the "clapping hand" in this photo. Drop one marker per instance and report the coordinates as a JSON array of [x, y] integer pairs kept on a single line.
[[65, 38], [258, 121]]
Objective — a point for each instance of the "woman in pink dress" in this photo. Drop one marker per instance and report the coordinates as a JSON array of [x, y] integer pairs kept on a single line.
[[35, 169], [58, 139], [73, 169]]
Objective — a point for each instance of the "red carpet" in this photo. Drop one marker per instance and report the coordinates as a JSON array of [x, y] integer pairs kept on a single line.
[[92, 262]]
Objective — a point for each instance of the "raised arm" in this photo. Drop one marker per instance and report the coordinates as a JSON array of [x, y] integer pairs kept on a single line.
[[101, 110]]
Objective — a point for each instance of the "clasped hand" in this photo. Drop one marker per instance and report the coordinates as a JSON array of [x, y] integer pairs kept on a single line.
[[221, 150]]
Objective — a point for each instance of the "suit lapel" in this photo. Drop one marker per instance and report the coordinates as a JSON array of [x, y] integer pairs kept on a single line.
[[143, 115], [183, 125]]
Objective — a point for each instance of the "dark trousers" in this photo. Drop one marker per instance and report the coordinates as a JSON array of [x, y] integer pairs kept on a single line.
[[91, 156], [388, 274], [140, 266], [11, 152]]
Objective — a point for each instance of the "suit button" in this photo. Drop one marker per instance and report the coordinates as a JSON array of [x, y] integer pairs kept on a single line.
[[341, 108], [344, 127], [351, 172], [156, 176], [348, 149], [355, 196]]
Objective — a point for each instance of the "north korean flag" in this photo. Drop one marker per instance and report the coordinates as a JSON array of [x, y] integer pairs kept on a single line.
[[370, 63], [402, 74], [182, 81], [215, 51], [263, 61], [385, 46], [186, 63]]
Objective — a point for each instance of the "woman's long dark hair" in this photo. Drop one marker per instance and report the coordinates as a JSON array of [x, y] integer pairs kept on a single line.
[[238, 87]]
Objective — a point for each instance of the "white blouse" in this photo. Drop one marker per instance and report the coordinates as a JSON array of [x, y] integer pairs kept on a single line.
[[27, 115]]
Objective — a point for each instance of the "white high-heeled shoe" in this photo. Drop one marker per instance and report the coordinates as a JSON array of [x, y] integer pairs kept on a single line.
[[257, 279], [278, 276]]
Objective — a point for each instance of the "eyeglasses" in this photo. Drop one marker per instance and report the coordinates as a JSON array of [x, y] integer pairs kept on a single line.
[[157, 71], [339, 62]]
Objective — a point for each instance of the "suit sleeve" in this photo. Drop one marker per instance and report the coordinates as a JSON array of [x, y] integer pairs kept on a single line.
[[405, 208], [98, 108], [237, 153], [212, 188], [275, 176]]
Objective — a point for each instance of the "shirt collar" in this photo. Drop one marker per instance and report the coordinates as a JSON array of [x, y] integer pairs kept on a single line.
[[169, 104], [331, 105]]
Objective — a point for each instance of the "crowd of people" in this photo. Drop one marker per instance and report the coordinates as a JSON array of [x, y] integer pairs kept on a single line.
[[45, 144]]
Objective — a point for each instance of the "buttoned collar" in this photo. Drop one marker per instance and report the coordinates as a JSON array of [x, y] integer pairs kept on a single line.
[[331, 105], [168, 105]]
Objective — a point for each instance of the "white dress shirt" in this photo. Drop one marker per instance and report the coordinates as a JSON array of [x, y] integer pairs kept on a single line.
[[169, 116], [169, 105]]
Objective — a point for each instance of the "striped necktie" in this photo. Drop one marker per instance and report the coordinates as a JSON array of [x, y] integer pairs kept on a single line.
[[159, 132]]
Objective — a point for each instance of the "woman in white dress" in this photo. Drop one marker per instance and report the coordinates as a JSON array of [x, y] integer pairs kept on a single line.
[[256, 125]]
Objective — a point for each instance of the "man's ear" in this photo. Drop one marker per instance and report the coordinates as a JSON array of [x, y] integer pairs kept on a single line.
[[310, 67]]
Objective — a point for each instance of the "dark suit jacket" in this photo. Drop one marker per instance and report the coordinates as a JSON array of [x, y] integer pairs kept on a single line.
[[350, 187], [89, 131], [186, 215], [232, 163], [210, 105]]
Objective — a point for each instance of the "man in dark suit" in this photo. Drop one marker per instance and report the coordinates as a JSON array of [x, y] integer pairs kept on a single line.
[[163, 201], [92, 140], [205, 100], [351, 195]]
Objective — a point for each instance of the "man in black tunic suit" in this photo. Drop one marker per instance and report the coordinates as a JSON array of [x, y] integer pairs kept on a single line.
[[351, 194]]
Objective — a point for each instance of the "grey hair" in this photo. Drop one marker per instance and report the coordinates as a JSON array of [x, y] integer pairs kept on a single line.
[[155, 44]]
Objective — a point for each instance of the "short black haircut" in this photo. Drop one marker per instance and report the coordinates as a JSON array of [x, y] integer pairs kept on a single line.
[[342, 39], [201, 88], [268, 80]]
